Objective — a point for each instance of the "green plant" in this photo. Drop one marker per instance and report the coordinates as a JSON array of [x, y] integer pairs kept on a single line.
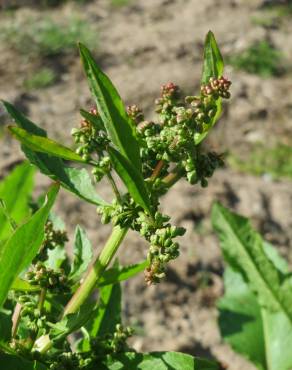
[[275, 161], [256, 310], [52, 298], [260, 58], [46, 37], [120, 2], [42, 78]]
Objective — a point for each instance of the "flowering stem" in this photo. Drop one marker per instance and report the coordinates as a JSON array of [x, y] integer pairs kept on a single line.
[[96, 270], [114, 186]]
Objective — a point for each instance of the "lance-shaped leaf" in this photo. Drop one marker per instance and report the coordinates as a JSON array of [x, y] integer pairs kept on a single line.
[[15, 191], [132, 179], [251, 329], [19, 250], [243, 248], [117, 274], [75, 180], [212, 67], [213, 62], [159, 361], [111, 109], [44, 145]]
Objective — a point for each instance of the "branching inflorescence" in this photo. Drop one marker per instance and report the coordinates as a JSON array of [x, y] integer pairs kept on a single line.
[[167, 144]]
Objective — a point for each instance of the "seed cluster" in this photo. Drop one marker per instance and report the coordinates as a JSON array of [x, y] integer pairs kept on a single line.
[[55, 281], [171, 141], [53, 238]]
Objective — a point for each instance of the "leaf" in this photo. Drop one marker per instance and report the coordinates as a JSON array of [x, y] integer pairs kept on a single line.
[[5, 325], [213, 67], [15, 191], [132, 179], [76, 181], [44, 145], [108, 313], [160, 361], [213, 61], [82, 253], [72, 322], [243, 248], [252, 326], [93, 119], [12, 362], [23, 286], [118, 274], [118, 124], [17, 253], [240, 319]]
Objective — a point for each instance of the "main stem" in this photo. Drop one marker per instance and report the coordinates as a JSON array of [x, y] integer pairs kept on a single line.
[[95, 272]]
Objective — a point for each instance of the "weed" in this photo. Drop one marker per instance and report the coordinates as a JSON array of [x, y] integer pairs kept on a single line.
[[47, 37], [119, 3], [42, 78], [276, 161], [260, 58]]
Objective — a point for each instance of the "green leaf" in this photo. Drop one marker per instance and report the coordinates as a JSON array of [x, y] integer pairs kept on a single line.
[[23, 286], [243, 248], [93, 119], [108, 313], [117, 274], [160, 361], [132, 179], [17, 253], [72, 322], [254, 313], [213, 61], [15, 191], [82, 253], [76, 181], [44, 145], [11, 362], [240, 319], [5, 325], [213, 67], [118, 124]]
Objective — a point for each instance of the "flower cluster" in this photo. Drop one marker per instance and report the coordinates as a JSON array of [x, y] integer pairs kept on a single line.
[[53, 238], [48, 278], [171, 141]]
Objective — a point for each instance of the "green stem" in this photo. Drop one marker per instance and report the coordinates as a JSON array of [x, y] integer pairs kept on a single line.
[[114, 186], [42, 298], [95, 272]]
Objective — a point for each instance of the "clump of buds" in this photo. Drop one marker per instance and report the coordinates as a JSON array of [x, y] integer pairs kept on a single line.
[[217, 87], [47, 278], [111, 343], [53, 238], [91, 139], [135, 113]]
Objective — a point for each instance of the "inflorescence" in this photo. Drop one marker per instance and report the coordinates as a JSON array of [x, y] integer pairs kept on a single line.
[[172, 142]]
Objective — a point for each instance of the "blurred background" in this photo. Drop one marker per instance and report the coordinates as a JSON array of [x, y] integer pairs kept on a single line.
[[142, 44]]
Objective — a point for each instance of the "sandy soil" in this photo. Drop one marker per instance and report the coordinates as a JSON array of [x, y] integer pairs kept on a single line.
[[141, 46]]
